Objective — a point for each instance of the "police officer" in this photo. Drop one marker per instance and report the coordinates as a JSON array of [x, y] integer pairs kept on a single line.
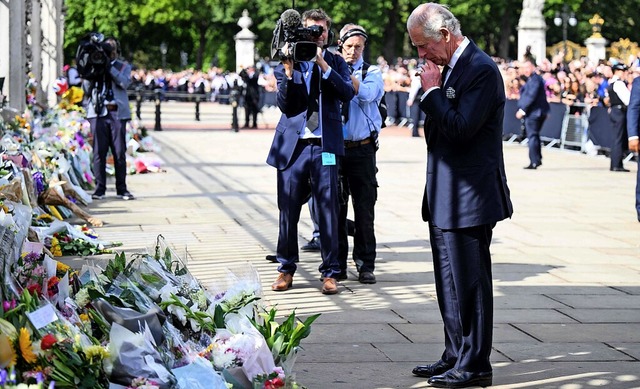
[[619, 95]]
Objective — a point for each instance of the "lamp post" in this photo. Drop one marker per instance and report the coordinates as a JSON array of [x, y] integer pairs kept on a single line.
[[562, 19], [163, 51]]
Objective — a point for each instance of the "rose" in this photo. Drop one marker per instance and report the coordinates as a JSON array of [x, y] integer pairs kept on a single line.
[[48, 341]]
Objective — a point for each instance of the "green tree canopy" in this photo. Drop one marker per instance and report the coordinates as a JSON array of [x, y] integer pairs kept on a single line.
[[204, 29]]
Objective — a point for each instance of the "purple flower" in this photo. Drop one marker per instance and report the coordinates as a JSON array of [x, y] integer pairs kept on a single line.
[[38, 182], [3, 377], [6, 305]]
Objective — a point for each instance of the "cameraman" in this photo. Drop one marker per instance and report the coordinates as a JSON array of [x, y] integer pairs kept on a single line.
[[307, 145], [108, 113], [362, 123]]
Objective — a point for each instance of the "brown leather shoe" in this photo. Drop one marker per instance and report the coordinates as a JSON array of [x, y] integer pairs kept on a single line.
[[329, 286], [283, 282]]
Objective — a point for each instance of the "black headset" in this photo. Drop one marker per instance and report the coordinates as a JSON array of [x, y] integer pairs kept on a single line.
[[353, 32]]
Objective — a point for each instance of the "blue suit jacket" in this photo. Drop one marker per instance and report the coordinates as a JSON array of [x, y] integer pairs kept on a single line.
[[533, 99], [466, 182], [633, 110], [293, 99]]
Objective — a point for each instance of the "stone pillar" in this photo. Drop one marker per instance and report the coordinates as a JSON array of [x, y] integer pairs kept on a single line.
[[532, 29], [4, 47], [245, 43], [36, 47], [596, 43], [51, 48], [17, 46]]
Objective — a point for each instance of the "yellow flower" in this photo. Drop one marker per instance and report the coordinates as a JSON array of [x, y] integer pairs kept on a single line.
[[97, 352], [8, 357], [84, 317], [61, 267], [24, 340]]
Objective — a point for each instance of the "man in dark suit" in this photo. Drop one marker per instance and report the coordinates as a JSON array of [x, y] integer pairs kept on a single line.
[[534, 108], [306, 148], [251, 95], [466, 191], [633, 123]]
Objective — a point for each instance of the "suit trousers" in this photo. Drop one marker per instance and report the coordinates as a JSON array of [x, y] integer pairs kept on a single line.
[[619, 127], [533, 126], [464, 287], [638, 189], [109, 133], [358, 179], [293, 191]]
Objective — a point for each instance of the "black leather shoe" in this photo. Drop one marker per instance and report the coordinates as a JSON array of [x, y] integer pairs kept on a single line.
[[461, 379], [428, 371], [619, 169], [532, 166], [271, 258], [367, 277], [313, 245], [274, 259]]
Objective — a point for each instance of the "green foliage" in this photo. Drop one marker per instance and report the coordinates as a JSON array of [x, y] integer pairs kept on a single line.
[[284, 338], [204, 29]]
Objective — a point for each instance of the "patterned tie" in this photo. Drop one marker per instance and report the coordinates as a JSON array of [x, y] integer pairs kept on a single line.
[[314, 94], [345, 106]]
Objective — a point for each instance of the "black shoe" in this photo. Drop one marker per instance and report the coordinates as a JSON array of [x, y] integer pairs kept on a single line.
[[271, 258], [532, 166], [313, 245], [428, 371], [274, 259], [367, 277], [126, 196], [97, 196], [619, 169], [461, 379]]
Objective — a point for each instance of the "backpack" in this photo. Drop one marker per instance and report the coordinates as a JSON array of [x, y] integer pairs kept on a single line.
[[382, 106]]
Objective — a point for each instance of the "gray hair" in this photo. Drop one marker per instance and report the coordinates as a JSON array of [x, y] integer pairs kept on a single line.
[[433, 17], [350, 26]]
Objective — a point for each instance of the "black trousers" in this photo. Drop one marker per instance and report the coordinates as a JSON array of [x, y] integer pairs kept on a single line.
[[358, 180], [619, 127], [109, 133], [533, 126], [464, 287]]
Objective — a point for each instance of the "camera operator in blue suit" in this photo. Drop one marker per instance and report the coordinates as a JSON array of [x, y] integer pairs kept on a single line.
[[306, 148]]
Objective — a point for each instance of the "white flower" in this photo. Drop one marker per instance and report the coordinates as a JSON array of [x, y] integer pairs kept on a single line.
[[82, 297], [166, 292]]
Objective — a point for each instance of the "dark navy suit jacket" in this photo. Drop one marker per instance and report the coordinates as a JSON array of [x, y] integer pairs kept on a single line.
[[466, 181], [293, 100], [533, 99], [633, 111]]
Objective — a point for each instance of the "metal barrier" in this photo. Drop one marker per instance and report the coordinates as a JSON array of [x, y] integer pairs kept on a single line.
[[158, 95], [574, 128]]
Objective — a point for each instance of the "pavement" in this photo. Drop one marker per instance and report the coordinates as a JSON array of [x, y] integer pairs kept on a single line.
[[566, 266]]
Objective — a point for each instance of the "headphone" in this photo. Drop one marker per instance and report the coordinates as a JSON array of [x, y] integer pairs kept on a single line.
[[353, 32]]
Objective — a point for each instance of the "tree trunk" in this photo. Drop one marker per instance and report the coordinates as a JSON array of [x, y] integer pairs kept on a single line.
[[201, 44], [505, 33], [390, 35]]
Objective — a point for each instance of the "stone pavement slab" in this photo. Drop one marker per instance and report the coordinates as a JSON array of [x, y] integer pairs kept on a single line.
[[566, 266]]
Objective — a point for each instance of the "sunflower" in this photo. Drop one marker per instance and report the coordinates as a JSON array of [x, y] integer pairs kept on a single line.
[[24, 341]]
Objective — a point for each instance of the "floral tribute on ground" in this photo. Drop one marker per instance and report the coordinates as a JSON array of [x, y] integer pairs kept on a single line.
[[141, 322]]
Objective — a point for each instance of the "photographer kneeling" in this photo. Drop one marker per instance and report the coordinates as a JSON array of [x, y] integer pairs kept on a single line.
[[108, 113]]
